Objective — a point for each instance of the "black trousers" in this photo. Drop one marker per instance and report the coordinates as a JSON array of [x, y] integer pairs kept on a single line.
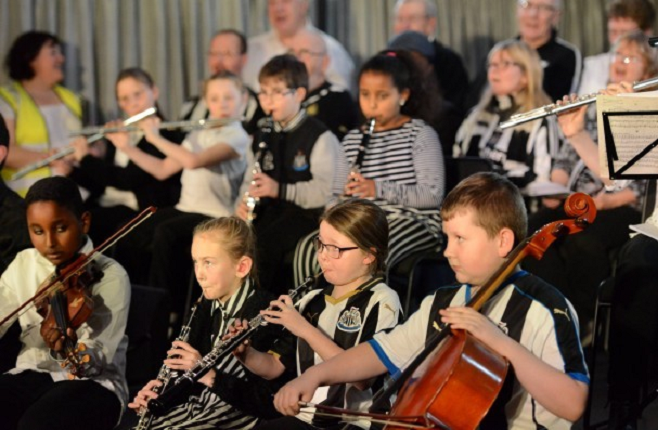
[[292, 423], [576, 264], [32, 401], [634, 322]]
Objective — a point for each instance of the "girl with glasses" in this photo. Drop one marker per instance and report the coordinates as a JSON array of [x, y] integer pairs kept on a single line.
[[352, 249]]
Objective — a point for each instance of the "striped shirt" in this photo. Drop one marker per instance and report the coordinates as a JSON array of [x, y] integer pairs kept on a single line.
[[529, 311], [204, 408], [406, 164], [349, 320]]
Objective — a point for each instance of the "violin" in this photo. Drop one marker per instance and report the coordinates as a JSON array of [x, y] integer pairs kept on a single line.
[[68, 306], [64, 299]]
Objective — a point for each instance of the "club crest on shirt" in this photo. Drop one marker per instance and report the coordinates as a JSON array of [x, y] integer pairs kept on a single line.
[[313, 109], [350, 320], [267, 162], [300, 163]]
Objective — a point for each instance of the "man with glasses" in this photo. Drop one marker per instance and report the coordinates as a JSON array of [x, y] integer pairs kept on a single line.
[[562, 61], [287, 18], [227, 52], [325, 101], [624, 16], [421, 16]]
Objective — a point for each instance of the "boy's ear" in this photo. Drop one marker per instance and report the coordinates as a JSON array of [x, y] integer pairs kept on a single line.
[[243, 267], [85, 221], [300, 94], [506, 242]]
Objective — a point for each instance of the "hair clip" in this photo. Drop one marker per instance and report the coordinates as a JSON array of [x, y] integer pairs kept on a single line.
[[391, 54]]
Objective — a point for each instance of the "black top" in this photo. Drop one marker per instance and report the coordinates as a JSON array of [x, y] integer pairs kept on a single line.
[[14, 236], [95, 174], [451, 75], [334, 107], [562, 64]]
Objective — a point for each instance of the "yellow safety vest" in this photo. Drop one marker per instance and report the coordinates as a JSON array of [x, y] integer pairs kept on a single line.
[[30, 128]]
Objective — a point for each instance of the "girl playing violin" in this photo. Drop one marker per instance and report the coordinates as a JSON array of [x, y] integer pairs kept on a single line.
[[526, 320], [352, 246], [223, 252], [37, 393]]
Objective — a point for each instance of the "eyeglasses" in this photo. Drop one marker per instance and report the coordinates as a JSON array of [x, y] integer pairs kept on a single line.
[[539, 7], [221, 54], [332, 251], [503, 65], [626, 59], [304, 52], [275, 95]]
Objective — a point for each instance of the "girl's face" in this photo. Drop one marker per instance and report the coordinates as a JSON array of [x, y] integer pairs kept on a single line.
[[47, 65], [506, 76], [351, 268], [380, 99], [217, 273], [224, 99], [627, 64], [134, 96]]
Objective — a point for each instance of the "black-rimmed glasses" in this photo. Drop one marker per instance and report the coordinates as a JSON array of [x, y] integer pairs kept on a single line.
[[332, 250]]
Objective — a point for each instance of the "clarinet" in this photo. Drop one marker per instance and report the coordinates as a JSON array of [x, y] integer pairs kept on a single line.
[[165, 375], [223, 348], [266, 125], [368, 129]]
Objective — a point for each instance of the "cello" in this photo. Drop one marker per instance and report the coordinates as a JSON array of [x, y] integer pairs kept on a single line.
[[447, 372]]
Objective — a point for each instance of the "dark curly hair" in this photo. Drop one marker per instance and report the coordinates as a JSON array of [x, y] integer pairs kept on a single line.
[[24, 50], [407, 73]]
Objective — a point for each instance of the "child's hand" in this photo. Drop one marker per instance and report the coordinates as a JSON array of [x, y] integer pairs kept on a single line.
[[476, 324], [283, 312], [241, 210], [149, 126], [264, 186], [120, 140], [238, 326], [53, 337], [144, 395], [182, 356], [358, 186], [301, 388], [572, 121]]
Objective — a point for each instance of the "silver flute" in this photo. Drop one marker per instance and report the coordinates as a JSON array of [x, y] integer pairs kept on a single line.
[[160, 405], [96, 136], [554, 108], [266, 125], [165, 375]]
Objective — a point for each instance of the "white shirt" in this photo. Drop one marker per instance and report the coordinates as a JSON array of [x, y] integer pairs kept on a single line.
[[596, 73], [103, 333], [263, 47], [212, 190]]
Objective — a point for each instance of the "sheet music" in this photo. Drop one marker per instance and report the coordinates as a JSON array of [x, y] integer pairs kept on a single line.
[[631, 133]]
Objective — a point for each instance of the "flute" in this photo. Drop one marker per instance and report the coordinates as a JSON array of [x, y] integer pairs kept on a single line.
[[70, 150], [160, 405], [554, 108]]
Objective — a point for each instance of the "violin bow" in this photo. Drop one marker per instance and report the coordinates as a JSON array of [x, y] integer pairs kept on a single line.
[[56, 281]]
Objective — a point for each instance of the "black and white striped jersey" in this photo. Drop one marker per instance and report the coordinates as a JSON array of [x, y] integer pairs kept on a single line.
[[349, 320], [529, 311]]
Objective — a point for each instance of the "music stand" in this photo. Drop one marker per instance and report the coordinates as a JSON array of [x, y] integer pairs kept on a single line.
[[623, 169]]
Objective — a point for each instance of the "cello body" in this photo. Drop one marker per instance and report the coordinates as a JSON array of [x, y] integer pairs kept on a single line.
[[455, 386]]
